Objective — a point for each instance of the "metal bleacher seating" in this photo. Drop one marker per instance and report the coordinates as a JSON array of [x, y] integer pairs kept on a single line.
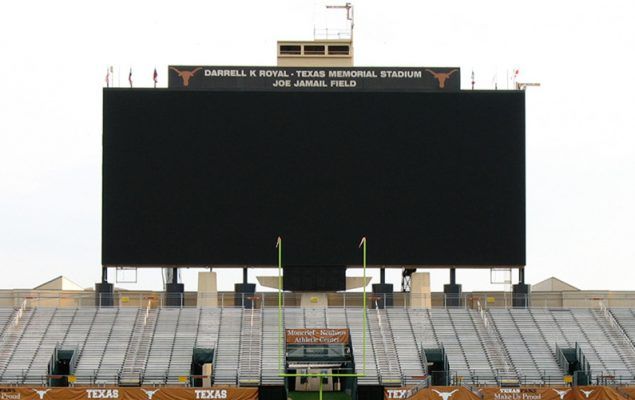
[[6, 316], [32, 335], [406, 346], [619, 360], [54, 333], [187, 330], [271, 348], [314, 317], [568, 327], [161, 346], [446, 334], [132, 346], [354, 320], [228, 351], [518, 333], [92, 348], [114, 353], [335, 318]]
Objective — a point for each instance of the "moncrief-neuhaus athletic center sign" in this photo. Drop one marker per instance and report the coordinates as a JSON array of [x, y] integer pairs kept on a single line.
[[314, 78], [317, 336]]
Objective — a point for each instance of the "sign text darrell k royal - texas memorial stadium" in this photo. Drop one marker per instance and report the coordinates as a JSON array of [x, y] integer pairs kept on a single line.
[[313, 78]]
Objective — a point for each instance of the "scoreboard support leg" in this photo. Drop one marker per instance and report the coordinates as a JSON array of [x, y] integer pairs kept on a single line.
[[520, 292], [174, 291], [104, 291], [452, 291], [382, 295], [244, 292]]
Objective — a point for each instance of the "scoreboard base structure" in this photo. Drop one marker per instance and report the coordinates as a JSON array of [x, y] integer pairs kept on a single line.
[[104, 294], [244, 294], [520, 295], [452, 292], [174, 293], [382, 295]]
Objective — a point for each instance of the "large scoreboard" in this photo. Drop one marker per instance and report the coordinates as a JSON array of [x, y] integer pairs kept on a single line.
[[211, 177]]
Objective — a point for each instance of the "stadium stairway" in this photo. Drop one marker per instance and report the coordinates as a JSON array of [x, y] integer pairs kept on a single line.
[[11, 336], [625, 320], [249, 363], [496, 352], [384, 347], [138, 348]]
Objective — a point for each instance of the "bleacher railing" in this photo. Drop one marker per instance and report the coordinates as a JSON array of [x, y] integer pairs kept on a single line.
[[487, 300]]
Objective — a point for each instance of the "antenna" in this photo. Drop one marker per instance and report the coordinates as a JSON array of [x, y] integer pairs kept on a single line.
[[349, 14]]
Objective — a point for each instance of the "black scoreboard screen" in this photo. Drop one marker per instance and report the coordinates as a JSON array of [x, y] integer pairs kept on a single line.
[[214, 177]]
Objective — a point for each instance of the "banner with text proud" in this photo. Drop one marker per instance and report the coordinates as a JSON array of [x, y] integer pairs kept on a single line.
[[118, 393]]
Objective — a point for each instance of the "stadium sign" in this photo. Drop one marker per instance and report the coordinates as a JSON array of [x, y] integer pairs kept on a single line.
[[438, 393], [314, 78], [317, 336], [551, 393], [167, 393]]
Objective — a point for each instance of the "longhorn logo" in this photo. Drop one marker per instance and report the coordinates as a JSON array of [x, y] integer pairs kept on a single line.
[[150, 393], [587, 393], [445, 395], [186, 75], [561, 393], [441, 76], [41, 393]]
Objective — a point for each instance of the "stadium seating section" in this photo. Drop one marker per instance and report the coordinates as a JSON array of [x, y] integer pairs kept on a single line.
[[130, 346]]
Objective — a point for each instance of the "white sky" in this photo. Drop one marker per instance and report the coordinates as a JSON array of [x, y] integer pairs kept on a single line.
[[580, 123]]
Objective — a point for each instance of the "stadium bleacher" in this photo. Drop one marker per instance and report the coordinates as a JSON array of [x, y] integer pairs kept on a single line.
[[150, 346]]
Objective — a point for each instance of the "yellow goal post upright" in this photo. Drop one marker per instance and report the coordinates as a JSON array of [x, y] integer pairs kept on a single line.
[[281, 371]]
